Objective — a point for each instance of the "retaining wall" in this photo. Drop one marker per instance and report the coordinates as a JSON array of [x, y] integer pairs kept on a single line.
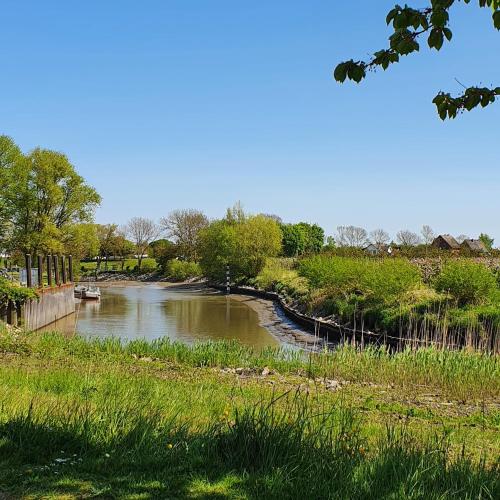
[[54, 303]]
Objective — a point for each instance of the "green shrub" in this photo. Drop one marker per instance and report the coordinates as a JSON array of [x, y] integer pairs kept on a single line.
[[377, 280], [180, 270], [467, 282], [10, 292]]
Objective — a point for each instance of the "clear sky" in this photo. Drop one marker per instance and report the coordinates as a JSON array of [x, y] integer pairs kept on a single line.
[[164, 104]]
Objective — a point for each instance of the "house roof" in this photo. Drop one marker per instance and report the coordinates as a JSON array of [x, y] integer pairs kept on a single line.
[[450, 240], [475, 245]]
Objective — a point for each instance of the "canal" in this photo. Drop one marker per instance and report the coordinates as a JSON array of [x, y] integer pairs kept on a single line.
[[151, 311]]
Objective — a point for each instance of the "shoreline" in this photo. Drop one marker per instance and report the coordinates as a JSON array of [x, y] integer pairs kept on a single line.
[[269, 312]]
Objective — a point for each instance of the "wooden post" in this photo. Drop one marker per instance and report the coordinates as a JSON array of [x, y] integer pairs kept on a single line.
[[29, 281], [56, 270], [63, 268], [49, 270], [11, 314], [70, 268], [40, 271]]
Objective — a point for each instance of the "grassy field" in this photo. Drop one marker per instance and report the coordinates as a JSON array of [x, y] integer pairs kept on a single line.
[[148, 264], [101, 420]]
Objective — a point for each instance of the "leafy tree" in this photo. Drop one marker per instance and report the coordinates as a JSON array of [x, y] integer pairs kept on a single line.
[[184, 227], [293, 240], [242, 242], [302, 238], [123, 247], [106, 235], [41, 195], [81, 241], [462, 237], [163, 251], [315, 237], [487, 240], [409, 25], [142, 232]]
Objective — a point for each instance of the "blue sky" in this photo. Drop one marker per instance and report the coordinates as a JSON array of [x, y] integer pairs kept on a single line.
[[176, 104]]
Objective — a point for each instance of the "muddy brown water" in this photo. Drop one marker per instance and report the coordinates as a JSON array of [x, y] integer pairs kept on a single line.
[[152, 311]]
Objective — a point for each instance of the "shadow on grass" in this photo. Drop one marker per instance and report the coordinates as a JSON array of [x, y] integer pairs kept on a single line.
[[259, 452]]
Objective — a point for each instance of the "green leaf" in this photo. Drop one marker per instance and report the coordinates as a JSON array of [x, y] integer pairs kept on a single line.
[[439, 18], [496, 19], [435, 39], [340, 73], [448, 34], [356, 72]]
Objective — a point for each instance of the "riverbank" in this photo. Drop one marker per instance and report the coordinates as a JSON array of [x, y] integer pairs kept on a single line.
[[163, 420], [270, 315]]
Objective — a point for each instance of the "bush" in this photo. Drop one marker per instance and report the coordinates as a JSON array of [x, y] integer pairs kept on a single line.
[[378, 280], [467, 282], [182, 270], [10, 292]]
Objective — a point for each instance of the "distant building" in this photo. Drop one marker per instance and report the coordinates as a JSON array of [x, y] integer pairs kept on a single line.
[[373, 249], [474, 246], [446, 242]]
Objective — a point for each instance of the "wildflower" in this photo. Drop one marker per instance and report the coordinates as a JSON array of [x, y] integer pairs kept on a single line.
[[107, 455], [170, 446]]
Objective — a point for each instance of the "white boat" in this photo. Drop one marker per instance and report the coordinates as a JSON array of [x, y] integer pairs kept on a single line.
[[87, 292]]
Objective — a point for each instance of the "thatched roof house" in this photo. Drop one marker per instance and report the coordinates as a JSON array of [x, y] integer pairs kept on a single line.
[[474, 246], [446, 242]]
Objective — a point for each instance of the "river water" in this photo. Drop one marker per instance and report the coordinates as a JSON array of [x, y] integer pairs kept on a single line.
[[151, 311]]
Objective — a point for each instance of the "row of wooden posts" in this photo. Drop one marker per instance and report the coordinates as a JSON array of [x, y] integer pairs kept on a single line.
[[58, 271]]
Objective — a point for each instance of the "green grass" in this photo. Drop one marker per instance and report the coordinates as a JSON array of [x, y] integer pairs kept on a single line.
[[148, 264], [83, 419]]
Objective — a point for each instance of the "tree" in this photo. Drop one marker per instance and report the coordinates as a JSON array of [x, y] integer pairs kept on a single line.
[[407, 238], [301, 238], [243, 243], [81, 241], [184, 227], [163, 250], [487, 240], [293, 240], [461, 238], [41, 195], [351, 236], [315, 237], [428, 235], [106, 234], [122, 247], [409, 26], [10, 155], [379, 237], [142, 232]]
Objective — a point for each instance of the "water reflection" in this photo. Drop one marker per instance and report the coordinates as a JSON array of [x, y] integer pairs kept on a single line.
[[152, 311]]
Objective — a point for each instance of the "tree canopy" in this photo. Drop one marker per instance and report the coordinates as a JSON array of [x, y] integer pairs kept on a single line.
[[239, 241], [409, 25], [41, 196]]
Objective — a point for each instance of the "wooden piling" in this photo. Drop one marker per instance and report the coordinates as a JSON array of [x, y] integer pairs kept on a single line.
[[29, 280], [40, 271], [56, 270], [49, 270]]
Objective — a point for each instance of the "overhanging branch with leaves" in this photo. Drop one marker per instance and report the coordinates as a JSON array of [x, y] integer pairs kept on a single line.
[[410, 25]]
